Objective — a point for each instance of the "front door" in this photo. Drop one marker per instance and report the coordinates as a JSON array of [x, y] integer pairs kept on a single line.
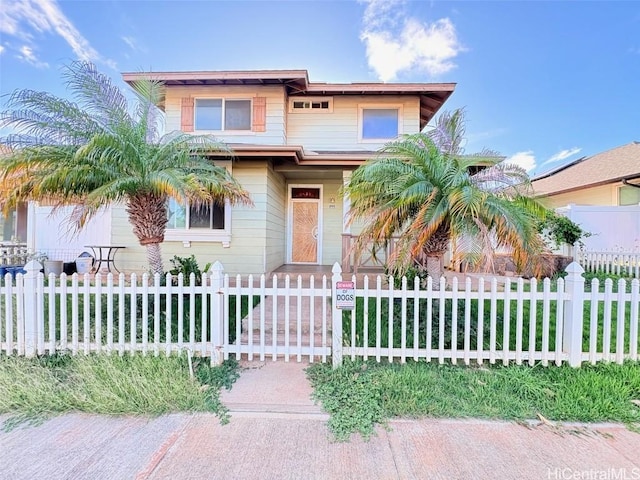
[[305, 225]]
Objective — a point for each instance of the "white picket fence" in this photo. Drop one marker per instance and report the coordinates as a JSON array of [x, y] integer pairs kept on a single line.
[[612, 262], [108, 314], [512, 321]]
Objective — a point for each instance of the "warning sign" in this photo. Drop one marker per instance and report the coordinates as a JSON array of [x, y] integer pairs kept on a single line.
[[345, 295]]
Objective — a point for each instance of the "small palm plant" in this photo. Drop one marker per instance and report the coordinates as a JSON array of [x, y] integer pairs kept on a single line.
[[95, 151], [427, 194]]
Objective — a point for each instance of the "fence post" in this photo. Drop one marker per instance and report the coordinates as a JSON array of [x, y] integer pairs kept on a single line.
[[573, 314], [31, 307], [336, 318], [217, 312]]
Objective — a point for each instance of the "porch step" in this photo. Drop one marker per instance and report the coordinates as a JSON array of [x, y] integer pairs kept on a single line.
[[304, 328], [281, 327], [305, 321], [305, 341]]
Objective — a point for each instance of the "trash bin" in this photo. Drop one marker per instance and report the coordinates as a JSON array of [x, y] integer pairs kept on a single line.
[[15, 270], [69, 268], [84, 263]]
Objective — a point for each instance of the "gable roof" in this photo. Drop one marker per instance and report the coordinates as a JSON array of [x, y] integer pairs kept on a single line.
[[611, 166], [296, 83]]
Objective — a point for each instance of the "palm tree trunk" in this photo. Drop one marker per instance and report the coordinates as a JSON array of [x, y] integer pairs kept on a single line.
[[148, 216], [435, 269], [431, 257], [154, 257]]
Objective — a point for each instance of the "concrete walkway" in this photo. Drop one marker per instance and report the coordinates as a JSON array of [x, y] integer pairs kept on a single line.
[[276, 432]]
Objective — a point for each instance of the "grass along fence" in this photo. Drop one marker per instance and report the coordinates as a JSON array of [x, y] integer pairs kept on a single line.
[[615, 263], [564, 321]]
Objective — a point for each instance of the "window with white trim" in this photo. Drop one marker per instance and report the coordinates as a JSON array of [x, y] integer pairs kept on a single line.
[[380, 123], [209, 222], [306, 104], [222, 114], [628, 195]]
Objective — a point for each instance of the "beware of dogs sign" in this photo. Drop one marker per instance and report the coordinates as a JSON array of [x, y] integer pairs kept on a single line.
[[345, 295]]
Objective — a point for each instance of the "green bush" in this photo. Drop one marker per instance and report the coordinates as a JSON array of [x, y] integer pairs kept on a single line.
[[560, 230]]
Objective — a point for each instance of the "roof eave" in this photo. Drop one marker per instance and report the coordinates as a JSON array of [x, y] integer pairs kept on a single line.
[[581, 187]]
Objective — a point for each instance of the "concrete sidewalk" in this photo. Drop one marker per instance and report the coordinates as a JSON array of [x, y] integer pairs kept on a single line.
[[276, 432]]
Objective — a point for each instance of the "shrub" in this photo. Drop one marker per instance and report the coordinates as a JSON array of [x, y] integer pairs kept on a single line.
[[560, 230]]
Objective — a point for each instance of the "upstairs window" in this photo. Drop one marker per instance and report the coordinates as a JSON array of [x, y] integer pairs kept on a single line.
[[379, 123], [314, 104], [222, 114]]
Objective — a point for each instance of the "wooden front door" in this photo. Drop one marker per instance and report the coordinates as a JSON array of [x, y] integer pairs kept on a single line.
[[305, 225]]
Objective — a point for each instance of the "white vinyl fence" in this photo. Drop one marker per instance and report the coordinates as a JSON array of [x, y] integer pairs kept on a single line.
[[269, 318], [610, 262]]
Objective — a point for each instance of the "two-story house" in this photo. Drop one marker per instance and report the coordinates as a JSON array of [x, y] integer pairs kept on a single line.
[[295, 143]]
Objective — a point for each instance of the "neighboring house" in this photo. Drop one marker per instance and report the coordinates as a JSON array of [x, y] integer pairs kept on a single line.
[[295, 144], [601, 193]]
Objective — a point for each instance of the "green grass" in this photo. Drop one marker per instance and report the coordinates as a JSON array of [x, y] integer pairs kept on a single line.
[[32, 389], [360, 395]]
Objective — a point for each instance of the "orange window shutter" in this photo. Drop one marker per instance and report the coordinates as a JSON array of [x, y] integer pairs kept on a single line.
[[186, 117], [259, 114]]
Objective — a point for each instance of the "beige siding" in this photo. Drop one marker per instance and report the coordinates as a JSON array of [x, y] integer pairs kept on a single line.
[[602, 195], [332, 223], [275, 241], [276, 105], [338, 130]]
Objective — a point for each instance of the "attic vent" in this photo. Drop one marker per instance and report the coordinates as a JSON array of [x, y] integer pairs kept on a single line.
[[318, 104]]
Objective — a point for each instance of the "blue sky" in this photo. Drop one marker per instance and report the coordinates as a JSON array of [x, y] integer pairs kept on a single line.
[[543, 83]]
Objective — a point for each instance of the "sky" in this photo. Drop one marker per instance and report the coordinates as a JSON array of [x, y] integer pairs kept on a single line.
[[543, 83]]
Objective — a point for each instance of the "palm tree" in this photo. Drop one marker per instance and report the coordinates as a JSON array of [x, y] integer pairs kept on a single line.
[[427, 194], [94, 152]]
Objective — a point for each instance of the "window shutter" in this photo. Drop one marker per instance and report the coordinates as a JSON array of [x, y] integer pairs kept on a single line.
[[186, 118], [259, 114]]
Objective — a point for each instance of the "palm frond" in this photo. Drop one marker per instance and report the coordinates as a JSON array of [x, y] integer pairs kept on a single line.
[[97, 151], [96, 94]]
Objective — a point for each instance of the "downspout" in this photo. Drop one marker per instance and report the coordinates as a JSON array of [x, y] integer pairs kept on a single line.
[[625, 181]]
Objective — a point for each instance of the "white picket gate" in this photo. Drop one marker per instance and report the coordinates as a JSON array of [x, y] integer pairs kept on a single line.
[[291, 319], [294, 319]]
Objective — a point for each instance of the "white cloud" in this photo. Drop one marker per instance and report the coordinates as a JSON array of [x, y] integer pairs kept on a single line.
[[130, 42], [1, 49], [396, 42], [26, 18], [133, 44], [26, 54], [562, 155], [525, 160]]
